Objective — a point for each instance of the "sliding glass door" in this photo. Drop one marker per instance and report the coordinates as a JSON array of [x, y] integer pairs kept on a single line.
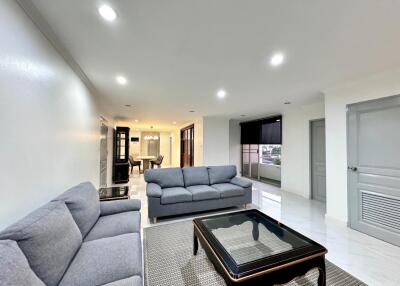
[[261, 149], [250, 161]]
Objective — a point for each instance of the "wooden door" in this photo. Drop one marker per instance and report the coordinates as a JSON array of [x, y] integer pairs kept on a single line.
[[187, 146]]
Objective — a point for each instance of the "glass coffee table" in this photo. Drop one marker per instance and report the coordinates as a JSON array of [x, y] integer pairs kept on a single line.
[[251, 248], [114, 193]]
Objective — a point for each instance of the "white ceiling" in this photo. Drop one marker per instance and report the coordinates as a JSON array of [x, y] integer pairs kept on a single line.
[[176, 54]]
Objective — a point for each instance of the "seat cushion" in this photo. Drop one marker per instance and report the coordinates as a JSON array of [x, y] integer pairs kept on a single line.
[[221, 174], [49, 239], [115, 224], [229, 190], [165, 178], [84, 204], [175, 195], [14, 267], [203, 192], [195, 176], [130, 281], [105, 260]]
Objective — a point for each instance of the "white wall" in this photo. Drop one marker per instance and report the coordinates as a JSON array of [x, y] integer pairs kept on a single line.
[[165, 147], [134, 147], [336, 99], [176, 148], [215, 141], [50, 126], [198, 142], [296, 147], [234, 144]]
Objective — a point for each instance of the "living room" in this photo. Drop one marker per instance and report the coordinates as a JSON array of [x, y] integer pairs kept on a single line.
[[276, 122]]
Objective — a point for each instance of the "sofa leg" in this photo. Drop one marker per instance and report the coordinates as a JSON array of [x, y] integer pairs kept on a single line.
[[154, 219]]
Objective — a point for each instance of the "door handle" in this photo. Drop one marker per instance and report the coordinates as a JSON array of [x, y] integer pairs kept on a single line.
[[354, 169]]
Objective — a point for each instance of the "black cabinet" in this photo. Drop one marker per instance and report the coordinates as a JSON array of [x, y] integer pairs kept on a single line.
[[121, 155]]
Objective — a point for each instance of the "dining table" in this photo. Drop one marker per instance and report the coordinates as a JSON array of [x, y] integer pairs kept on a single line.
[[146, 161]]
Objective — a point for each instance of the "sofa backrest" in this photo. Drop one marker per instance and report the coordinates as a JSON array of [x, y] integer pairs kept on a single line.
[[195, 176], [49, 239], [14, 267], [84, 204], [165, 178], [221, 174]]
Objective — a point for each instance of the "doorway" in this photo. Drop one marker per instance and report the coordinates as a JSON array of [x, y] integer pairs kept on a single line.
[[187, 146], [373, 174], [318, 160]]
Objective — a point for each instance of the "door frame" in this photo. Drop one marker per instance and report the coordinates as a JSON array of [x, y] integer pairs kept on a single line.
[[191, 126], [311, 195], [103, 124]]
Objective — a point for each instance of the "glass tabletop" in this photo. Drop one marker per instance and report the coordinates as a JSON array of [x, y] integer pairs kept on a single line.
[[113, 192], [249, 236]]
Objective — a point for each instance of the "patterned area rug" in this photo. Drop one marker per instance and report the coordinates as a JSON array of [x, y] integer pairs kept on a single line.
[[168, 261]]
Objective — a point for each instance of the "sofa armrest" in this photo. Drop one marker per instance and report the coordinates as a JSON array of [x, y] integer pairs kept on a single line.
[[241, 182], [153, 190], [118, 206]]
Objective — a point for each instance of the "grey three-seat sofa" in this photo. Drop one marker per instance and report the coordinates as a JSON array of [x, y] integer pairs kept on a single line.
[[74, 240], [173, 191]]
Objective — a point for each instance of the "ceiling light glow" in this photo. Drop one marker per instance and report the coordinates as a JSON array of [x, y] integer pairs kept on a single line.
[[221, 93], [107, 13], [121, 80], [277, 59], [136, 120]]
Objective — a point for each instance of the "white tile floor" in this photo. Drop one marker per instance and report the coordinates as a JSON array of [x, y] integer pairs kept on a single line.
[[373, 261]]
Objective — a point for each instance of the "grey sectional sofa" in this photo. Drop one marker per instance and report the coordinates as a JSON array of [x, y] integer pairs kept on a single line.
[[74, 240], [173, 191]]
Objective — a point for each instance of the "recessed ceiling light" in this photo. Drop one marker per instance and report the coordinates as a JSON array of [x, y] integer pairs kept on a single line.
[[287, 102], [128, 105], [121, 80], [192, 111], [221, 93], [174, 122], [243, 115], [277, 59], [107, 13], [136, 120]]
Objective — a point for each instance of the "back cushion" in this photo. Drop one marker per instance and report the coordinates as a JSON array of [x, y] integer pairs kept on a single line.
[[14, 268], [165, 178], [221, 174], [84, 204], [49, 238], [195, 176]]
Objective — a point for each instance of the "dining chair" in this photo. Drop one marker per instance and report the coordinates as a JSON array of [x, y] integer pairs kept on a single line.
[[157, 161], [134, 163]]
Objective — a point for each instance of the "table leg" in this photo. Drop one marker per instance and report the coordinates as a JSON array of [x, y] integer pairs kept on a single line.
[[255, 231], [322, 274], [195, 243]]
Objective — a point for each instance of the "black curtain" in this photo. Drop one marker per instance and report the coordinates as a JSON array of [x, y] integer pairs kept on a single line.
[[263, 131]]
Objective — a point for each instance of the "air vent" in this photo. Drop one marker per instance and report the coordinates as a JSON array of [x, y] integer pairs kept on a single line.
[[381, 211]]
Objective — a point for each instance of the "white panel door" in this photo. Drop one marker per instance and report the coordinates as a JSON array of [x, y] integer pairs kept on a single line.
[[374, 168]]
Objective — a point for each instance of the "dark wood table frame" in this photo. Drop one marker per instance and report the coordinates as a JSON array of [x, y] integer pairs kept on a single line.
[[260, 272]]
